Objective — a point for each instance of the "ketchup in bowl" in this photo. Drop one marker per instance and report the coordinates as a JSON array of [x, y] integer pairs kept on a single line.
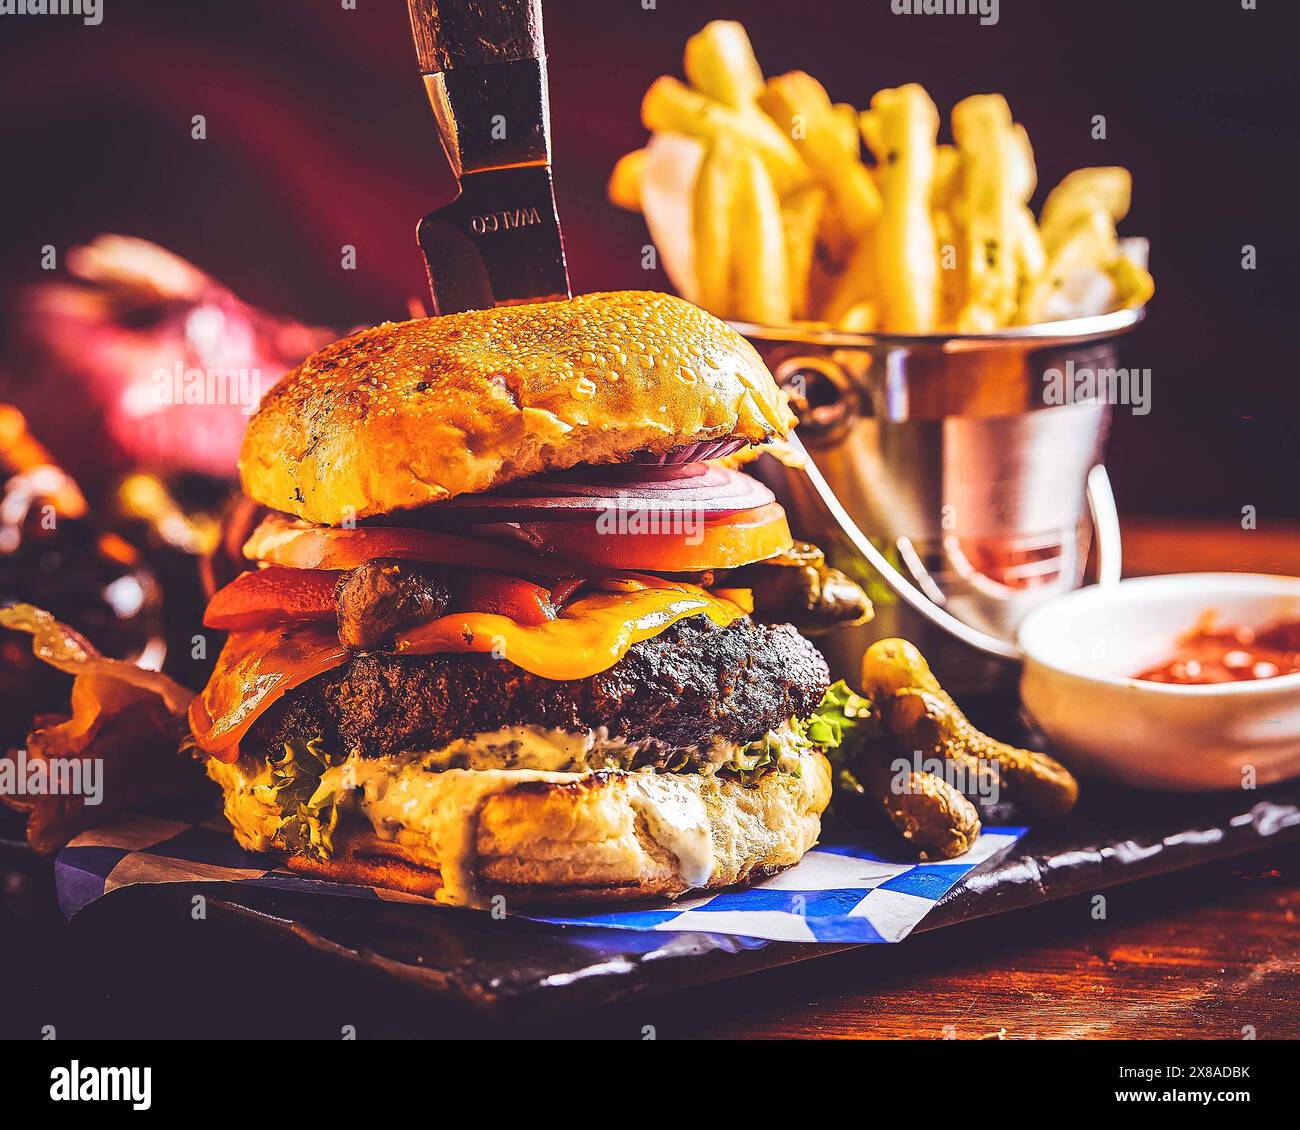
[[1211, 654]]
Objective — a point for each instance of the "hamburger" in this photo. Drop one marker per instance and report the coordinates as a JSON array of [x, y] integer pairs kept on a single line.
[[513, 622]]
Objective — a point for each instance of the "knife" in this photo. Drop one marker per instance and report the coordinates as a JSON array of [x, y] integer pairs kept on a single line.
[[498, 241]]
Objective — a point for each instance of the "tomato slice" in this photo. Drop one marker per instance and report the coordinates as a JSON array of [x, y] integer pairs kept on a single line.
[[253, 671], [272, 595], [500, 595], [564, 547], [280, 540], [631, 541]]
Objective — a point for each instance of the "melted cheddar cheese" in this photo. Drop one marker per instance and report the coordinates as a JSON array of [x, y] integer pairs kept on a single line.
[[588, 637]]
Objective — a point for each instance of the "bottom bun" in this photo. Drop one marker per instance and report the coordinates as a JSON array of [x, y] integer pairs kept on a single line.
[[550, 839]]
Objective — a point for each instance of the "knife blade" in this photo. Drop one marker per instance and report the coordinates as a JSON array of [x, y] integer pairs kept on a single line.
[[498, 241]]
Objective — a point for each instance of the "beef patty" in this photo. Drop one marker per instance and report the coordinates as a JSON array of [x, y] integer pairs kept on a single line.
[[689, 685]]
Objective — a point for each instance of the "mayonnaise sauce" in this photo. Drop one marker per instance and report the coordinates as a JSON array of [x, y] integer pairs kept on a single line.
[[677, 821], [442, 808]]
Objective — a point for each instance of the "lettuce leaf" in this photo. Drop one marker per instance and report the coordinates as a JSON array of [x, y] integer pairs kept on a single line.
[[844, 724], [308, 817], [759, 758], [841, 721]]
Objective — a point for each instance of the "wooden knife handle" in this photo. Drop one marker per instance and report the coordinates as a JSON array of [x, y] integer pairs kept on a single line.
[[450, 34]]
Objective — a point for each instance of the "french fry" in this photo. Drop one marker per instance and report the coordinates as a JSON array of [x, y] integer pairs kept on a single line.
[[1090, 244], [987, 209], [906, 124], [947, 177], [1031, 256], [847, 118], [671, 106], [861, 317], [947, 236], [1023, 171], [802, 110], [826, 273], [951, 292], [856, 286], [720, 63], [1134, 285], [715, 199], [760, 278], [1107, 189], [835, 242], [870, 128], [801, 214], [625, 180]]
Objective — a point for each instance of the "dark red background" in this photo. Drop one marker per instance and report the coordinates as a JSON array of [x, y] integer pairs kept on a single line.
[[319, 136]]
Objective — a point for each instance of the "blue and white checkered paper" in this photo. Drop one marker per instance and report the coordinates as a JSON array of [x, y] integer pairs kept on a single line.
[[838, 893]]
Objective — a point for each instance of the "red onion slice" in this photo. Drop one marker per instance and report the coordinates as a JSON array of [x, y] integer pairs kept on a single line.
[[703, 489], [690, 452]]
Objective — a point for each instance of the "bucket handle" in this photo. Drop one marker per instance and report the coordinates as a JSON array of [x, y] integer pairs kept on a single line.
[[1105, 526], [1101, 507]]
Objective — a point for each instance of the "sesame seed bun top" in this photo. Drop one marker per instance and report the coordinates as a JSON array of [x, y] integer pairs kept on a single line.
[[409, 413]]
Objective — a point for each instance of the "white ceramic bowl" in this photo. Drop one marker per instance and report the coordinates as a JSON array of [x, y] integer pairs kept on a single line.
[[1081, 650]]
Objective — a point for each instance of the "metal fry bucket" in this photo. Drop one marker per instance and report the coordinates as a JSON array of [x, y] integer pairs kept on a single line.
[[981, 489]]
